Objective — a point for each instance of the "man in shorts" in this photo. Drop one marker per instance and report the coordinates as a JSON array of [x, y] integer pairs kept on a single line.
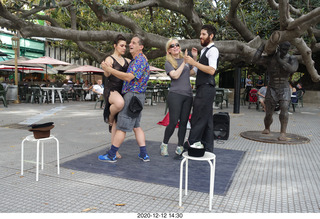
[[262, 96], [134, 85]]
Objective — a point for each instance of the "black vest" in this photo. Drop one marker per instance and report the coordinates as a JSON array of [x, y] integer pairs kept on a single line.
[[202, 77]]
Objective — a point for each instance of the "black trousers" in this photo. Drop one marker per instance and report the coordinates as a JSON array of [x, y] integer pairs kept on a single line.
[[202, 117], [179, 110]]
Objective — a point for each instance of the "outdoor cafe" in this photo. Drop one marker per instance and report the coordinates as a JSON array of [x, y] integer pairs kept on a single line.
[[48, 80]]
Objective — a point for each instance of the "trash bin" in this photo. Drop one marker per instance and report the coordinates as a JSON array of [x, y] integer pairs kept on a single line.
[[12, 92]]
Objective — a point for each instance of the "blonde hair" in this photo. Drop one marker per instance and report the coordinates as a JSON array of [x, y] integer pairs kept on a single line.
[[169, 57]]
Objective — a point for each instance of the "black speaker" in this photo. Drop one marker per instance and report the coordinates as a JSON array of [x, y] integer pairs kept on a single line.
[[221, 125]]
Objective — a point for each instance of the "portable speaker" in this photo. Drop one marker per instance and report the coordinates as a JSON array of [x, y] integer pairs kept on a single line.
[[221, 125]]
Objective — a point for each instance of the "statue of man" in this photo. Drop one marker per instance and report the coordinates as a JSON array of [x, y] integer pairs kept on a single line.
[[280, 66]]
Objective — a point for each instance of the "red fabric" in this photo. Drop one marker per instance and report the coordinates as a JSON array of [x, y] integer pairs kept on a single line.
[[166, 121]]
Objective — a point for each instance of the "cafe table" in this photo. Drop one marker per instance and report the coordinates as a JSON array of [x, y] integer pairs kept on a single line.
[[52, 89]]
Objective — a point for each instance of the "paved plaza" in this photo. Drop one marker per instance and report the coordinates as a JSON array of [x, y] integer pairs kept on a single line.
[[272, 178]]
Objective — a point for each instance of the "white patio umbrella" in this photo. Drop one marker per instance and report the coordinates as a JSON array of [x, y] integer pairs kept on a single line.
[[50, 71], [46, 61], [19, 61], [66, 67], [86, 69], [21, 68]]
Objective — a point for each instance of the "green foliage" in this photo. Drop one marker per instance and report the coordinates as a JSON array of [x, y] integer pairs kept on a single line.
[[158, 62], [296, 77], [59, 77]]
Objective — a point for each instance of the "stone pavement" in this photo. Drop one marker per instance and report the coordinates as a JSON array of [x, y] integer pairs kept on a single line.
[[272, 178]]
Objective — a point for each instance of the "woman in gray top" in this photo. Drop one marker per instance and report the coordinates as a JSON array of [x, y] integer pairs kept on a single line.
[[180, 95]]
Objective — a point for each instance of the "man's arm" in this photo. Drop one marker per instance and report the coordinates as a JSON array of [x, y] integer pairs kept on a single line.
[[123, 75], [119, 74], [260, 94], [205, 68]]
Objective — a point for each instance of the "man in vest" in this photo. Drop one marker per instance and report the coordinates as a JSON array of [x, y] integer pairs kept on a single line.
[[201, 132]]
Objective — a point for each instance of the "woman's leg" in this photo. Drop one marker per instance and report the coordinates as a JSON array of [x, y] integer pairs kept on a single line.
[[116, 104], [174, 104], [184, 118]]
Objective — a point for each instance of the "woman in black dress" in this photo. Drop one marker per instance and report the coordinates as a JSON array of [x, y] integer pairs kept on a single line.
[[113, 85]]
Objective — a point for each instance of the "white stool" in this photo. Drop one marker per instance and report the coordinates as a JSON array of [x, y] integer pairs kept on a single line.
[[206, 157], [40, 140]]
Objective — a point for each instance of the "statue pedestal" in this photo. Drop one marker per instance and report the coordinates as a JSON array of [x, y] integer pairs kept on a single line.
[[273, 137]]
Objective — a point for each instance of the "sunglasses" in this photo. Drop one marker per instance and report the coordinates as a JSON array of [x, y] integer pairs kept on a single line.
[[173, 45]]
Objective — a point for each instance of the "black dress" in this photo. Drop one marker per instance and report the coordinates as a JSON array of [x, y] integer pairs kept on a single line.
[[112, 83]]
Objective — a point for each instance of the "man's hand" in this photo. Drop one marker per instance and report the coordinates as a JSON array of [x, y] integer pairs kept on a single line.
[[188, 59], [194, 53], [106, 66]]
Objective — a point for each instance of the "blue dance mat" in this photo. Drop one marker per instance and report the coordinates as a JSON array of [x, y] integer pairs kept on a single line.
[[163, 170]]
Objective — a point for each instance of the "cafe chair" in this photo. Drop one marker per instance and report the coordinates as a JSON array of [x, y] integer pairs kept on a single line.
[[37, 94], [300, 97], [226, 98], [3, 93], [243, 98], [99, 100], [149, 96], [219, 97], [65, 92], [297, 100], [77, 95], [23, 90]]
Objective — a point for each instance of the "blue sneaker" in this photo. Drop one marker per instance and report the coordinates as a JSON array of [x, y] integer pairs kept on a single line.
[[145, 158], [106, 158]]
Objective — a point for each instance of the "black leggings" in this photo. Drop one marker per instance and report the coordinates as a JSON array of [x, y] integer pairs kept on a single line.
[[179, 109]]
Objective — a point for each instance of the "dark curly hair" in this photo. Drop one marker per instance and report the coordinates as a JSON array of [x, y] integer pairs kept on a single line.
[[210, 29], [119, 38]]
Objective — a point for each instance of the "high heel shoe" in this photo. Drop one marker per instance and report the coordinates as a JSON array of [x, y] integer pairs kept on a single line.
[[110, 128]]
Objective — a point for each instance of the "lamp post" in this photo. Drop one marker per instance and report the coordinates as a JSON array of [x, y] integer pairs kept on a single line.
[[15, 42]]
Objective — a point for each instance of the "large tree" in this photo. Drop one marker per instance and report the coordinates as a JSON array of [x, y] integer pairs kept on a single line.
[[242, 24]]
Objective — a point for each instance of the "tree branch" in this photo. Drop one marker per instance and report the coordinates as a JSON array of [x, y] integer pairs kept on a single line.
[[285, 18], [111, 16], [275, 6], [307, 58], [306, 21], [144, 4], [83, 46], [184, 7], [236, 23]]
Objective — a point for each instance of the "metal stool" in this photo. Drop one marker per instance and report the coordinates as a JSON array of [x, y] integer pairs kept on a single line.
[[40, 140], [206, 157]]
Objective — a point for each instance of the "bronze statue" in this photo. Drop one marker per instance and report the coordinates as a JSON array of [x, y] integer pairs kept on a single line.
[[280, 66]]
